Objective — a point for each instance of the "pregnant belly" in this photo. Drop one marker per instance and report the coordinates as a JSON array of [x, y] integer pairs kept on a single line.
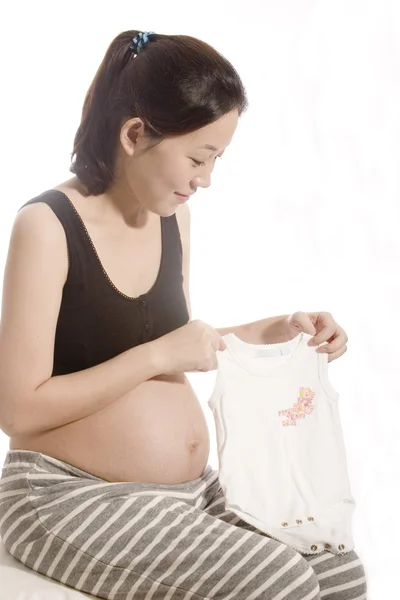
[[157, 433]]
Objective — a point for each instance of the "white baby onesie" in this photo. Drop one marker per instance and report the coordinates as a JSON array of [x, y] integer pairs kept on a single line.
[[282, 460]]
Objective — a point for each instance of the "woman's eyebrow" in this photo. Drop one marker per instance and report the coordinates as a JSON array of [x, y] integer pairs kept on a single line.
[[209, 147]]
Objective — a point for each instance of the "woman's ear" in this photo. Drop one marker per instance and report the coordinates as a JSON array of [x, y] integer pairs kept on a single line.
[[130, 134]]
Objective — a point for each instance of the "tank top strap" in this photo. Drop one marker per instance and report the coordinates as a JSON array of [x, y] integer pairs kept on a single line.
[[81, 253], [172, 233], [78, 242], [171, 267]]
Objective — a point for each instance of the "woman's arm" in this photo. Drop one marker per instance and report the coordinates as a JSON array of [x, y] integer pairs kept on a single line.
[[267, 331], [31, 400]]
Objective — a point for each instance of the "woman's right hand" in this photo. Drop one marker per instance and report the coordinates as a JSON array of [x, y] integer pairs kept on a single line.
[[192, 347]]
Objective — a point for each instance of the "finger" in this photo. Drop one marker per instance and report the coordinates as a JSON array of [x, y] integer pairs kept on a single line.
[[299, 321], [325, 334], [211, 365], [336, 355], [217, 342], [214, 344], [335, 345]]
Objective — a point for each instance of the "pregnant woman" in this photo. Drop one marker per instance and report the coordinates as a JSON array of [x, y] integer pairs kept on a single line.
[[106, 486]]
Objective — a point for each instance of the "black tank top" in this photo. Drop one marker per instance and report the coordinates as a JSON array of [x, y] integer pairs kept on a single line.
[[96, 321]]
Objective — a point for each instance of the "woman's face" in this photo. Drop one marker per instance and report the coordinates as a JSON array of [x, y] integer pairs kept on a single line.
[[179, 164]]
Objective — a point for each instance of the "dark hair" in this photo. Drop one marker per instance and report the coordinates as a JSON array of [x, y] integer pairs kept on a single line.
[[175, 85]]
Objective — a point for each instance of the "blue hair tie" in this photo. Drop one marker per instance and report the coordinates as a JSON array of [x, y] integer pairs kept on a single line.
[[139, 42]]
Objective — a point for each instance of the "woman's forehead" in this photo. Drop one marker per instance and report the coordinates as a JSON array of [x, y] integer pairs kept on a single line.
[[214, 137]]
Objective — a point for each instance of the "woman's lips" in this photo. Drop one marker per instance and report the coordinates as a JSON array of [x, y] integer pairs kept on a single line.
[[184, 198]]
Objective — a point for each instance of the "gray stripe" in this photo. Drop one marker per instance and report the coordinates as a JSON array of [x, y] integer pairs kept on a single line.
[[150, 541]]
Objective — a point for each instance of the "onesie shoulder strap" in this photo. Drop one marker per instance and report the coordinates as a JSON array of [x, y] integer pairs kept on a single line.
[[225, 364]]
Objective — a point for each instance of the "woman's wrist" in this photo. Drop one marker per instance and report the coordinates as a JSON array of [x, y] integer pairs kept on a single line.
[[158, 357]]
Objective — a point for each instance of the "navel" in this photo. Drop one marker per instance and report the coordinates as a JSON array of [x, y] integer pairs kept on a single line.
[[193, 444]]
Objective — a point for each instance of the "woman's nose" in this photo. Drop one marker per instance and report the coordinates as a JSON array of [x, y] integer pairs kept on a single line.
[[203, 182]]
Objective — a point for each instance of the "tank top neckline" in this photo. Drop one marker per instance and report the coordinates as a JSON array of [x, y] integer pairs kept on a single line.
[[100, 264], [251, 357]]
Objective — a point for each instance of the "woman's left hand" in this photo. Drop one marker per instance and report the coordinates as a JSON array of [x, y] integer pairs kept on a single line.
[[323, 327]]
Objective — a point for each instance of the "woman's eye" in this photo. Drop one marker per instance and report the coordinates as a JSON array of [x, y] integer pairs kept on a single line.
[[200, 164]]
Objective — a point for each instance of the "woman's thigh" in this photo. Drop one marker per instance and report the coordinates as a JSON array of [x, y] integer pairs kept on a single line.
[[340, 576], [124, 541]]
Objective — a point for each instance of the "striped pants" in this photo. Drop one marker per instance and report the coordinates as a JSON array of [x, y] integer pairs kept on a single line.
[[154, 541]]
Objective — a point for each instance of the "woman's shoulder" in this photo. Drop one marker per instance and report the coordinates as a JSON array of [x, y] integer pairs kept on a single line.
[[37, 224]]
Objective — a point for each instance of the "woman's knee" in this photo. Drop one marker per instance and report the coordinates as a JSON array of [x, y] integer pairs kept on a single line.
[[289, 577]]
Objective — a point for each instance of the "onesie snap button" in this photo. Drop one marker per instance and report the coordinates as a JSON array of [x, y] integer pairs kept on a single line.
[[341, 547], [147, 327], [299, 521], [313, 547], [328, 546], [284, 524], [310, 518], [143, 303]]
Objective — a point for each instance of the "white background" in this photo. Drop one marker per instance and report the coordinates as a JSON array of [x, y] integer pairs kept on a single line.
[[303, 211]]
